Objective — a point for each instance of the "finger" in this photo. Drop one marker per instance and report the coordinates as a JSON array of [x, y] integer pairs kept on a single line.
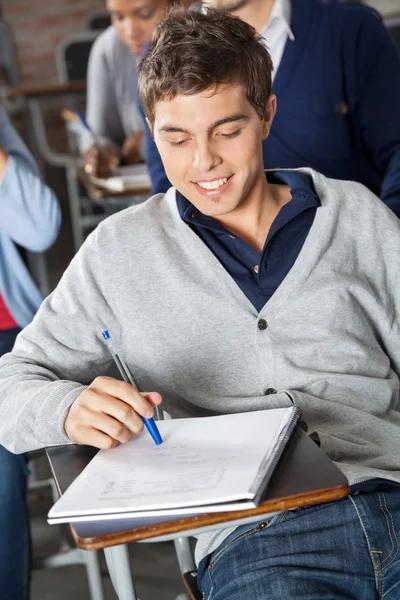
[[125, 392], [93, 437], [153, 397], [101, 403], [111, 427]]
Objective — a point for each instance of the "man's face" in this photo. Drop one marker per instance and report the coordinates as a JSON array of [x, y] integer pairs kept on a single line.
[[211, 147]]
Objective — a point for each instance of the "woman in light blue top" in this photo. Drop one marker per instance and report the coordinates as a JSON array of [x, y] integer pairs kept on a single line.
[[29, 220]]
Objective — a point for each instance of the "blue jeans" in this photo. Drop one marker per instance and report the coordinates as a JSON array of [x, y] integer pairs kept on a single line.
[[14, 520], [348, 549]]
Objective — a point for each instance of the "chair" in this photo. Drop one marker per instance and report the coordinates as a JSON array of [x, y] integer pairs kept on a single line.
[[66, 555], [8, 59], [393, 26], [72, 56], [98, 21], [9, 70]]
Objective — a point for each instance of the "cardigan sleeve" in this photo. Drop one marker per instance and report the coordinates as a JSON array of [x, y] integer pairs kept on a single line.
[[378, 103]]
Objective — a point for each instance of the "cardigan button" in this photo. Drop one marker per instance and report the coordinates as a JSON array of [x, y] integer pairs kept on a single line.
[[342, 108], [262, 324], [270, 391]]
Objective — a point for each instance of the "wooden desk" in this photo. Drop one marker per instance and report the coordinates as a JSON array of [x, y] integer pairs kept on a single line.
[[304, 476], [46, 91]]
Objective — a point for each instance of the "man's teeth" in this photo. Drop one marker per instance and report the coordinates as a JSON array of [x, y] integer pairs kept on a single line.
[[212, 185]]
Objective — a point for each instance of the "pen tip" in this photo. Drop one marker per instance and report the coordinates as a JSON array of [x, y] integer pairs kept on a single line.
[[106, 335]]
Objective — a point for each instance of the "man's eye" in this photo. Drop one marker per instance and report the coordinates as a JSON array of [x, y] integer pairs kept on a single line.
[[178, 143], [231, 135]]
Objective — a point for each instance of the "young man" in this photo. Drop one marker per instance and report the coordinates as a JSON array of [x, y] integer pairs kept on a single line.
[[337, 79], [237, 290], [30, 218]]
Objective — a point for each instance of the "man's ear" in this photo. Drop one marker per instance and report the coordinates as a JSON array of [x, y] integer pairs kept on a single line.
[[149, 125], [269, 114]]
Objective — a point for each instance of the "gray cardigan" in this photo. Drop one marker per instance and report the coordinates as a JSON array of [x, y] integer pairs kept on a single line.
[[112, 82], [186, 330]]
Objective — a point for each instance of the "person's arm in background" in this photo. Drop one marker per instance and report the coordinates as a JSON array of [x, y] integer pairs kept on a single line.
[[159, 179], [29, 210], [102, 114], [378, 99]]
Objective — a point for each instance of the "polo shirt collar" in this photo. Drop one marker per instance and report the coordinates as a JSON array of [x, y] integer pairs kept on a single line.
[[303, 197]]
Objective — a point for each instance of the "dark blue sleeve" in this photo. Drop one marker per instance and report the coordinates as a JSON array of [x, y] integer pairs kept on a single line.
[[159, 180], [378, 98]]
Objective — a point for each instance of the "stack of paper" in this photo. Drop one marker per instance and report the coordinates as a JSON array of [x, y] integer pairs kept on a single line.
[[208, 464], [129, 177]]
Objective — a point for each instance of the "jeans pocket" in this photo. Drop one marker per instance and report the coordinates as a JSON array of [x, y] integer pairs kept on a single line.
[[240, 534]]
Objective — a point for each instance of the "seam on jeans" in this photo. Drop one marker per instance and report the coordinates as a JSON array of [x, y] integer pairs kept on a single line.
[[241, 536], [391, 530], [371, 552], [211, 584], [225, 547]]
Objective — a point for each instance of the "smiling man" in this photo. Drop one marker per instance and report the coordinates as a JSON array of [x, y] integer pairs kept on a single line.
[[236, 290], [337, 79]]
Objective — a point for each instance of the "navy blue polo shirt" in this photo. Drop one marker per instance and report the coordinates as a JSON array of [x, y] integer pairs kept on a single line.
[[259, 275]]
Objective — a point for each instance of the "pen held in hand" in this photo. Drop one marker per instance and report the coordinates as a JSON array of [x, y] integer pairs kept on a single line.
[[127, 377], [96, 140]]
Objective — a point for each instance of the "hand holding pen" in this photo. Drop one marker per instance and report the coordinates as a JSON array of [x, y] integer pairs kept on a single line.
[[126, 376], [101, 160], [108, 412]]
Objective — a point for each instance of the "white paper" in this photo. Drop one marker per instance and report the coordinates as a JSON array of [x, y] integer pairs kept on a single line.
[[201, 463], [126, 177]]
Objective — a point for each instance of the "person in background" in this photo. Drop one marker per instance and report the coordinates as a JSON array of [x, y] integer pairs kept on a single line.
[[30, 219], [112, 85], [337, 81]]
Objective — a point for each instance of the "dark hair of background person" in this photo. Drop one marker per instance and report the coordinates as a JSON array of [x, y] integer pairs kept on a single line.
[[191, 52]]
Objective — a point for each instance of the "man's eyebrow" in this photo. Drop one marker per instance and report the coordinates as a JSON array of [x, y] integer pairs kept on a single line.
[[231, 119], [172, 129]]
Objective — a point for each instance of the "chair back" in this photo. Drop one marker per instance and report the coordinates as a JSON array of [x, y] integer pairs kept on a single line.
[[98, 21], [8, 58], [72, 56]]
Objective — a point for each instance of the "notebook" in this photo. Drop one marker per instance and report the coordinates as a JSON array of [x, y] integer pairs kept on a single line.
[[128, 177], [207, 464]]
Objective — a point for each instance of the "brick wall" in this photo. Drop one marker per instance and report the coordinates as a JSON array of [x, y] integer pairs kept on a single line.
[[38, 26]]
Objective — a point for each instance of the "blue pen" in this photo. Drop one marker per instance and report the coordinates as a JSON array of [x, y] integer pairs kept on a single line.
[[126, 376], [96, 140]]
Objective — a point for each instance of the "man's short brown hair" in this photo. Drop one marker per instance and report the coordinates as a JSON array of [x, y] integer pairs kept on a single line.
[[191, 52]]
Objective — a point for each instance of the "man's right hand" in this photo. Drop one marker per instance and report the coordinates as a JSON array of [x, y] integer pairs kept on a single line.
[[107, 413], [101, 161]]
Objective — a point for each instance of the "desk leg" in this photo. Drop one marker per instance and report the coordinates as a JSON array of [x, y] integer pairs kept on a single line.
[[184, 555], [120, 570]]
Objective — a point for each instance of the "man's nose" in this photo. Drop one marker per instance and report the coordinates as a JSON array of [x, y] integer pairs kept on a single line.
[[205, 158]]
